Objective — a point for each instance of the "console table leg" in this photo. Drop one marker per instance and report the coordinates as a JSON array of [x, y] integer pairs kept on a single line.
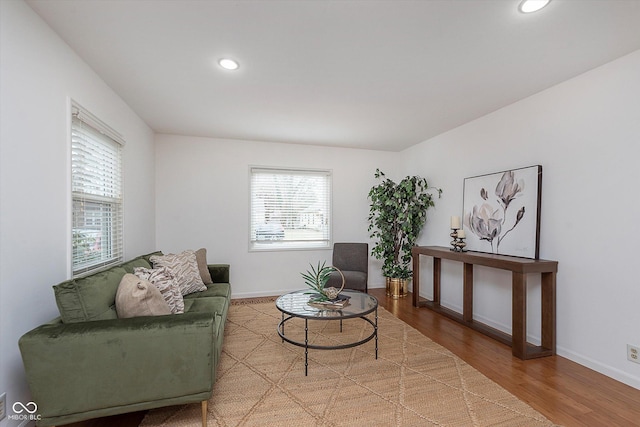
[[548, 296], [436, 280], [467, 297], [519, 315], [416, 280]]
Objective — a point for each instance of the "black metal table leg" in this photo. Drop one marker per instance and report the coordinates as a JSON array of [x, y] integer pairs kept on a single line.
[[376, 332], [306, 346]]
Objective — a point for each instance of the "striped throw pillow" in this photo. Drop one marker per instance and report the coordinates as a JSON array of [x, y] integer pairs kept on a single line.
[[184, 267], [163, 280]]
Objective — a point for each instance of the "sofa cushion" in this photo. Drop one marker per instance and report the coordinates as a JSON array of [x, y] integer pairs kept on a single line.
[[162, 279], [139, 297], [217, 305], [184, 267], [89, 298], [201, 259], [214, 290]]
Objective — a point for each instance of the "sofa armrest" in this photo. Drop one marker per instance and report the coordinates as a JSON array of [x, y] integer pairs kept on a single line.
[[82, 367], [219, 272]]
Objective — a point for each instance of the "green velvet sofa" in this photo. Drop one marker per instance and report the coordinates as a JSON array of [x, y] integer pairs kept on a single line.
[[78, 370]]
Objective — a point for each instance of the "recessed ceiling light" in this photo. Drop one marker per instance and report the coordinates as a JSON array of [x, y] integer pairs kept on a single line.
[[528, 6], [228, 64]]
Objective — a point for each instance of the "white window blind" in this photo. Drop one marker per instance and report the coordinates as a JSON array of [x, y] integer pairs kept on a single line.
[[290, 209], [96, 188]]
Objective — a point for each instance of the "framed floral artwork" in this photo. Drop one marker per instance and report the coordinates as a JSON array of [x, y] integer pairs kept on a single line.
[[501, 212]]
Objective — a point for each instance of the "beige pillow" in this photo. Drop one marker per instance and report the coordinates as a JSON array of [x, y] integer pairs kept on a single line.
[[184, 267], [163, 280], [138, 297], [201, 259]]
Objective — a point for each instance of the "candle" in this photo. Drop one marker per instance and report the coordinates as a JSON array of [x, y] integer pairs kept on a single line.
[[461, 234], [455, 222]]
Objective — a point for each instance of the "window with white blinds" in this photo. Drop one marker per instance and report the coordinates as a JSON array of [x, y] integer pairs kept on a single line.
[[290, 209], [96, 188]]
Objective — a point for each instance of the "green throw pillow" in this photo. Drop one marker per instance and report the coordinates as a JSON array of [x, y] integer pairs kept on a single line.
[[89, 298]]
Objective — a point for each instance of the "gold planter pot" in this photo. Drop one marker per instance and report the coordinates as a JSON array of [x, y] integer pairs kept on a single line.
[[397, 288]]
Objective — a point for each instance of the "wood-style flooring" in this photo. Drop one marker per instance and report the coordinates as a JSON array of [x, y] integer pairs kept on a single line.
[[565, 392]]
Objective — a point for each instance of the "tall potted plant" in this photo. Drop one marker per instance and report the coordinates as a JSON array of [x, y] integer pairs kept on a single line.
[[397, 213]]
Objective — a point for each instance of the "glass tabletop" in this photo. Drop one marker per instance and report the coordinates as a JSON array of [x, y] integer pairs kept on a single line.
[[297, 304]]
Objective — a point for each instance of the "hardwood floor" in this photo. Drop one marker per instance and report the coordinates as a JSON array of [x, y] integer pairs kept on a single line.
[[565, 392]]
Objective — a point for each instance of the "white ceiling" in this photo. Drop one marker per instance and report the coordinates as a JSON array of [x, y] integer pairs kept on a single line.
[[366, 74]]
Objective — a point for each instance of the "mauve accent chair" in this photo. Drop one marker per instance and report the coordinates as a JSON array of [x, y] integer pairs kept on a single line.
[[353, 260]]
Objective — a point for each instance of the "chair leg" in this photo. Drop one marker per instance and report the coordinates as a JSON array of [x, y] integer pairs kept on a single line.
[[204, 413]]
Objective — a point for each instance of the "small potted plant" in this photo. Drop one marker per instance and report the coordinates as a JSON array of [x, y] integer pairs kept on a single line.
[[397, 213], [317, 278]]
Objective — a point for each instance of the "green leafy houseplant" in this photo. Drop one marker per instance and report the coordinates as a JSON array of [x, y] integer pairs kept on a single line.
[[397, 213]]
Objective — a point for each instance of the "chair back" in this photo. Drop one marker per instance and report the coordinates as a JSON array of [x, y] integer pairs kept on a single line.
[[351, 256]]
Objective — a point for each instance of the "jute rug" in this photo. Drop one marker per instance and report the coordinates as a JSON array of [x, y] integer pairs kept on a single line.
[[414, 381]]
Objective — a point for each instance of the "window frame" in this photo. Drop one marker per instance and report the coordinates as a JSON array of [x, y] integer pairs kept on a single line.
[[105, 201], [288, 245]]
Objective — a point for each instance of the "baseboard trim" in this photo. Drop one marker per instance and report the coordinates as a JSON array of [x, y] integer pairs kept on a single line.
[[606, 370], [276, 292]]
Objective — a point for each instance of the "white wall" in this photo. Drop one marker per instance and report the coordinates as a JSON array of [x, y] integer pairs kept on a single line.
[[38, 75], [585, 133], [203, 201]]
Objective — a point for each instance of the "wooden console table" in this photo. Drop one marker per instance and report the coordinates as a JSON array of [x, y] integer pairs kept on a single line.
[[519, 268]]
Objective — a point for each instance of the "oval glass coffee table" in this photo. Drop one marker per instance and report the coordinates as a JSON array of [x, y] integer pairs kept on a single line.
[[295, 305]]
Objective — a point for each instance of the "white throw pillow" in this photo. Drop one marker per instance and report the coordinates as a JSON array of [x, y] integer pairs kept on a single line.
[[138, 297]]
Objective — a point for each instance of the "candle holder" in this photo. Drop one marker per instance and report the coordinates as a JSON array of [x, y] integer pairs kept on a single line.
[[454, 236], [458, 244]]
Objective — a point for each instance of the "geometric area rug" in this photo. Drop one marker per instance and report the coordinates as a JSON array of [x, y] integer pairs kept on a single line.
[[414, 381]]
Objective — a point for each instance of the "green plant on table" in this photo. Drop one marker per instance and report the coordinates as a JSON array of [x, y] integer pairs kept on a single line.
[[316, 278]]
